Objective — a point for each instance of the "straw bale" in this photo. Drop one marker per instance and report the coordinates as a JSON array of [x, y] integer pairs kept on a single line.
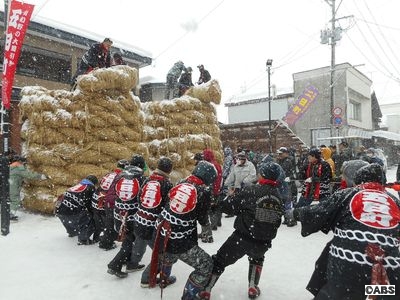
[[61, 95], [67, 151], [41, 156], [137, 147], [115, 150], [186, 103], [32, 203], [208, 108], [195, 116], [170, 145], [151, 133], [207, 92], [129, 134], [160, 120], [180, 118], [43, 136], [92, 156], [177, 130], [131, 103], [108, 166], [82, 170], [154, 147], [58, 175], [130, 118], [105, 119], [107, 134], [120, 77], [72, 135]]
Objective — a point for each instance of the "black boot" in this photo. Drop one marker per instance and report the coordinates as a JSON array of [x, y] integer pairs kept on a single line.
[[166, 278], [254, 279]]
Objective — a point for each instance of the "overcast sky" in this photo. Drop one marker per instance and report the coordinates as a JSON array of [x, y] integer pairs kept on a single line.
[[234, 39]]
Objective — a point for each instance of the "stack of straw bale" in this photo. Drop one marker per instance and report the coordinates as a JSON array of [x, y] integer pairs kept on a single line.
[[68, 136], [181, 127]]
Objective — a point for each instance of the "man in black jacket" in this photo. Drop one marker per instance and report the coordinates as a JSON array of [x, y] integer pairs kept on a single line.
[[176, 236], [153, 198], [98, 56], [364, 249], [75, 210], [259, 209], [318, 175], [126, 187]]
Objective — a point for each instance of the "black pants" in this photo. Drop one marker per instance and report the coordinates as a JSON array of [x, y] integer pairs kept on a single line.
[[109, 233], [99, 217], [80, 224], [234, 248], [124, 253]]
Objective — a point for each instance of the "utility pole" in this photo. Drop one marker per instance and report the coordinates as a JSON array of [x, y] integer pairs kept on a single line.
[[331, 36], [333, 65]]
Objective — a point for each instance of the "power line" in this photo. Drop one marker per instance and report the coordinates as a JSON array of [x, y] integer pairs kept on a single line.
[[383, 36], [379, 45]]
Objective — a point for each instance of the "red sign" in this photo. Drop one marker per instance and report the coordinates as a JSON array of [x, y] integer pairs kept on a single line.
[[18, 21]]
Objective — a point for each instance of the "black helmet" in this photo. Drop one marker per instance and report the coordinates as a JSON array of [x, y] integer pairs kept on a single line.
[[370, 173], [269, 170], [93, 179], [138, 161], [165, 164], [122, 163], [205, 171], [315, 152], [132, 172]]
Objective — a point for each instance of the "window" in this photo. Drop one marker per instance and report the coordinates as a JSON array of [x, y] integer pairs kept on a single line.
[[43, 64], [355, 111]]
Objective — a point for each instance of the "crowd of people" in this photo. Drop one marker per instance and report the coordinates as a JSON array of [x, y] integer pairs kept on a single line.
[[140, 210]]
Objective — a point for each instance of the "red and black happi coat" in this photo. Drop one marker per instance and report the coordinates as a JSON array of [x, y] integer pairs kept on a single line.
[[365, 245], [154, 196]]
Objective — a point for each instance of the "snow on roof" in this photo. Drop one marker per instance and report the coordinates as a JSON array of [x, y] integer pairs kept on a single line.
[[90, 35]]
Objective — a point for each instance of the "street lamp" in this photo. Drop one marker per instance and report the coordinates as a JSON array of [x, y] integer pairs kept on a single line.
[[269, 64]]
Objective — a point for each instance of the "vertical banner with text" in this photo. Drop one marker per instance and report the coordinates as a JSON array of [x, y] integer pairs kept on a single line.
[[18, 21], [301, 105]]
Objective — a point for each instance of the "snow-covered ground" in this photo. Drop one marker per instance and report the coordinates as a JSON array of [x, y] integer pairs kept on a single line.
[[39, 261]]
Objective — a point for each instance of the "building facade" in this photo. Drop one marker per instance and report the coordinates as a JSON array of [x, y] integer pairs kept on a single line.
[[352, 104]]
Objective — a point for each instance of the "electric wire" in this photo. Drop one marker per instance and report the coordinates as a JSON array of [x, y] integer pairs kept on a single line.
[[383, 36], [379, 45]]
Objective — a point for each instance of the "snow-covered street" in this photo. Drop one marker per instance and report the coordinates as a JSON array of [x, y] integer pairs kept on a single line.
[[39, 261]]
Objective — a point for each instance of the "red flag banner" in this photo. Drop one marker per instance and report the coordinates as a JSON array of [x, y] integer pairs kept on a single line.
[[301, 105], [18, 21]]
